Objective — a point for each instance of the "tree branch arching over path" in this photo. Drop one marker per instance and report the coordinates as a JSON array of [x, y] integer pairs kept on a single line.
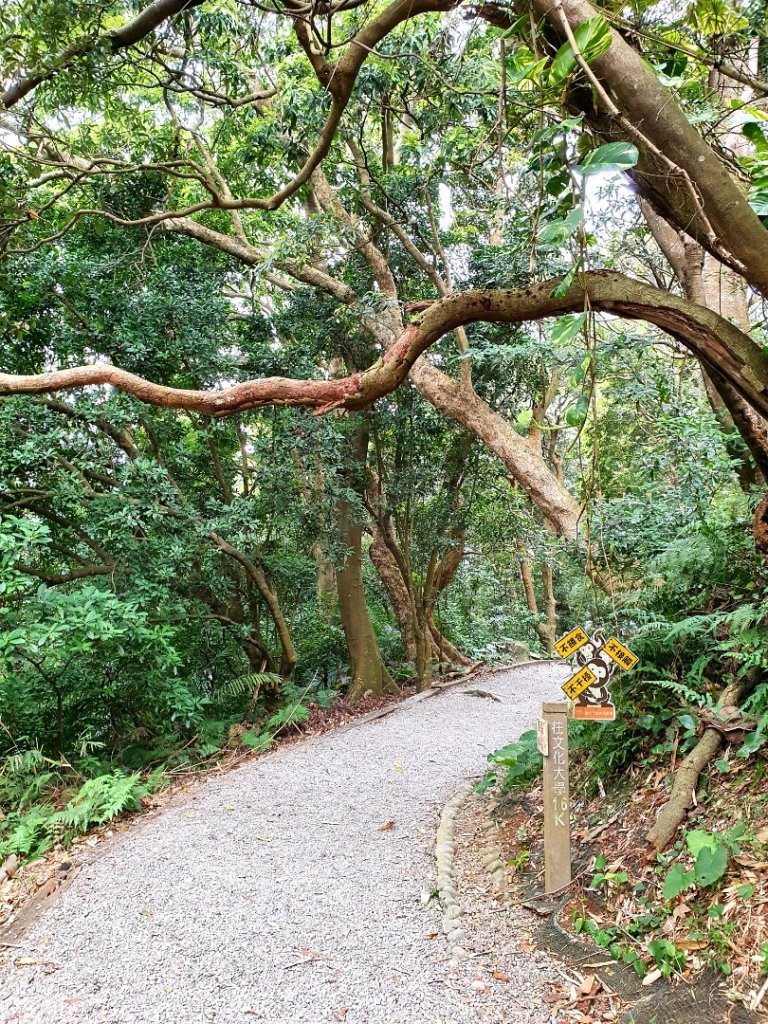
[[718, 343]]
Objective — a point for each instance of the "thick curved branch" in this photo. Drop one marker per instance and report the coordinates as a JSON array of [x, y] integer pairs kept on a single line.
[[715, 341], [678, 171], [57, 579], [118, 39]]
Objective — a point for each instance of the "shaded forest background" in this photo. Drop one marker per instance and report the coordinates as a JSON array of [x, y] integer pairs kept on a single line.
[[204, 194]]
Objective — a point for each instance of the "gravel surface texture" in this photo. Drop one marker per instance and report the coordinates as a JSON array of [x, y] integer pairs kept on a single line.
[[273, 894]]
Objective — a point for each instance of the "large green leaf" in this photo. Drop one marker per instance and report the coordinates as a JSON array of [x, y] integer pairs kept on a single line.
[[593, 38], [559, 231], [698, 840], [613, 156], [711, 865], [677, 880]]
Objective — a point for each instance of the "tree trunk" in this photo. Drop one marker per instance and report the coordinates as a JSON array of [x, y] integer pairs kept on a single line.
[[446, 652], [705, 281], [547, 628], [326, 581], [410, 617], [422, 640], [288, 658], [549, 632], [367, 671], [397, 592]]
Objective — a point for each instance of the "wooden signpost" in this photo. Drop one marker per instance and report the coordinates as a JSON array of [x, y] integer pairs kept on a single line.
[[587, 689], [557, 807]]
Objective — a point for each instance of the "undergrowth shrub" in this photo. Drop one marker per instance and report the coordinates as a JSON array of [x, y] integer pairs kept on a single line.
[[29, 828]]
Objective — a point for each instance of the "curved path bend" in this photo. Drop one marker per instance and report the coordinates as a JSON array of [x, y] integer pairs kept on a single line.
[[272, 895]]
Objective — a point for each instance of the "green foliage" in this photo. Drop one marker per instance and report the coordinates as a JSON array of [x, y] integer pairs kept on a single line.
[[522, 762], [249, 683], [593, 37], [129, 638], [30, 828], [711, 856], [612, 156]]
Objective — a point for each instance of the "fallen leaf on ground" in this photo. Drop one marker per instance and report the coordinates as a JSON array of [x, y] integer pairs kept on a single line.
[[589, 986], [387, 826], [750, 862], [500, 976]]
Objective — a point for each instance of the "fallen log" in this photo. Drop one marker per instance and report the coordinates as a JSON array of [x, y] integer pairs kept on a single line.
[[672, 814]]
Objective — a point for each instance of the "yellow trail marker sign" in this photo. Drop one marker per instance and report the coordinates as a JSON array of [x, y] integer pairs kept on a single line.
[[622, 655], [571, 642], [578, 683]]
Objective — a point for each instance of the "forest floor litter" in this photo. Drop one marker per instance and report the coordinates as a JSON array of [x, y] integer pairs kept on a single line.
[[299, 888]]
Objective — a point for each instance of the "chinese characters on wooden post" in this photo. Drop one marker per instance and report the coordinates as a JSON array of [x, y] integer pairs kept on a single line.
[[557, 820]]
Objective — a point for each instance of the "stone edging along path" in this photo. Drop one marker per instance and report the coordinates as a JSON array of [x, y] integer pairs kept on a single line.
[[296, 889]]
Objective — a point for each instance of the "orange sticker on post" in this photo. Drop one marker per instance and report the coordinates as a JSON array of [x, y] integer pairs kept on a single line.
[[622, 655], [571, 642], [577, 684]]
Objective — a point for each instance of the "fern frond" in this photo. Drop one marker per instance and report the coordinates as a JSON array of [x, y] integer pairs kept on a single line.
[[247, 684]]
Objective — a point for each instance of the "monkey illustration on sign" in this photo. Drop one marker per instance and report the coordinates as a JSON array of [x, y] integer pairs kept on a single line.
[[593, 656]]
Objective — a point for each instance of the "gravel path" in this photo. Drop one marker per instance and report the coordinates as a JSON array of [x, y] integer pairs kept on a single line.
[[272, 895]]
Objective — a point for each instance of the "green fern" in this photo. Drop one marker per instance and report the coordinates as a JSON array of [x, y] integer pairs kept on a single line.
[[248, 684], [101, 799], [30, 834]]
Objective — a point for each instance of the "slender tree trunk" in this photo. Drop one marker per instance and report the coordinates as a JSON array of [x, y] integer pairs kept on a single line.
[[422, 640], [288, 658], [326, 582], [447, 652], [547, 629], [397, 592], [367, 670]]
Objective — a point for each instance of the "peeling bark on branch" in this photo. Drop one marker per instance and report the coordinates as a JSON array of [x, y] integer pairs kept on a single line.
[[716, 342]]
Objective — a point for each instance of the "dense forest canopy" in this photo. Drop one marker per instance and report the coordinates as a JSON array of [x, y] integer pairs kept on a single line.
[[347, 343]]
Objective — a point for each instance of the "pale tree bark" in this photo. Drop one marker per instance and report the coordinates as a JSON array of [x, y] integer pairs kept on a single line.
[[707, 282], [678, 171]]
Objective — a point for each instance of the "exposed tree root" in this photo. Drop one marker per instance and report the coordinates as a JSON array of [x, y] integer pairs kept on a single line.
[[673, 813]]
